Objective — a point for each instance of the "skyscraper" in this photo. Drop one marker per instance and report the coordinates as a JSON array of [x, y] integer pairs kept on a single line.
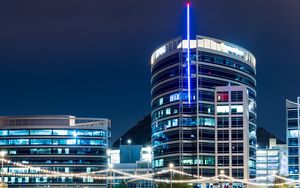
[[292, 133], [204, 107]]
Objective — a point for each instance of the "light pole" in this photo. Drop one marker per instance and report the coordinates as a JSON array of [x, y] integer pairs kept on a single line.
[[110, 166], [2, 154], [222, 175], [171, 166], [129, 142]]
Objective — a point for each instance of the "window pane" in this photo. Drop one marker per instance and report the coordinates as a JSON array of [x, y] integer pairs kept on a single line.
[[64, 132], [223, 122], [3, 142], [40, 132], [19, 142], [236, 109], [40, 142], [18, 132], [236, 96], [3, 132], [222, 96], [64, 141], [223, 109]]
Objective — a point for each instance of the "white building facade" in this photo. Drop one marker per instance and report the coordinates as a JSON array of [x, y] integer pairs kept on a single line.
[[271, 160]]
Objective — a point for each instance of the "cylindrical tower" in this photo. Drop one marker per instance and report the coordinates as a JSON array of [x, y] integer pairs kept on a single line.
[[216, 130]]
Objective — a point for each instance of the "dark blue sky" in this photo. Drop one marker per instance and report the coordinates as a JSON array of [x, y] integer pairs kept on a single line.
[[91, 58]]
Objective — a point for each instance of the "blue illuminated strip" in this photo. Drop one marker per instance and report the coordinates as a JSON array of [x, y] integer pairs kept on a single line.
[[188, 53]]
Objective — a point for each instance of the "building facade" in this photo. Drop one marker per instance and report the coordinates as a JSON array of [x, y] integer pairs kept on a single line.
[[132, 159], [293, 141], [58, 143], [204, 111], [271, 160]]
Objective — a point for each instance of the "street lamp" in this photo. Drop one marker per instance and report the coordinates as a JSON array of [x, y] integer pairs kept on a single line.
[[129, 142], [222, 175], [222, 172], [2, 154], [171, 166], [110, 166]]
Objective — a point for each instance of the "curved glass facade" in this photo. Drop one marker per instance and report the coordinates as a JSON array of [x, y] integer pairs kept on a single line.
[[217, 130], [58, 143]]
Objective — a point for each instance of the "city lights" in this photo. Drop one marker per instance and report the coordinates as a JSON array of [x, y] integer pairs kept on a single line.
[[100, 175]]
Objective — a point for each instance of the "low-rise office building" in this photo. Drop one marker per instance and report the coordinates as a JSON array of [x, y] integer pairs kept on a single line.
[[132, 159], [271, 160], [64, 144]]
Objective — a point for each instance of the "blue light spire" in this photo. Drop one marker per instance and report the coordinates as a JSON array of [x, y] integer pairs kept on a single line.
[[188, 53]]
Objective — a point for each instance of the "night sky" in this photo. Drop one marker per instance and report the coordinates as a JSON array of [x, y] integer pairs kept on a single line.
[[92, 58]]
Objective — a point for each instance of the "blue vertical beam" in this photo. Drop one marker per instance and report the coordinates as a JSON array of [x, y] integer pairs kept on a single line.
[[188, 53]]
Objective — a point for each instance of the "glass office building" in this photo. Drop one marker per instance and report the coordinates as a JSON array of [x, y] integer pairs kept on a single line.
[[204, 111], [292, 128], [58, 143]]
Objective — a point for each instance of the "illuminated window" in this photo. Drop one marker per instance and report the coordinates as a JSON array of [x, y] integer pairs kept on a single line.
[[96, 142], [13, 152], [174, 97], [3, 142], [251, 163], [223, 109], [98, 133], [85, 133], [168, 111], [19, 142], [293, 133], [161, 101], [18, 132], [187, 161], [64, 141], [222, 96], [174, 122], [63, 132], [40, 132], [3, 132], [40, 142], [40, 151], [158, 163], [206, 121], [273, 152], [236, 109]]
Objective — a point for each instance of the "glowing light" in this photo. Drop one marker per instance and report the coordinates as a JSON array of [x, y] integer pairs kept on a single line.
[[188, 52], [149, 176], [158, 53], [222, 172], [2, 153]]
